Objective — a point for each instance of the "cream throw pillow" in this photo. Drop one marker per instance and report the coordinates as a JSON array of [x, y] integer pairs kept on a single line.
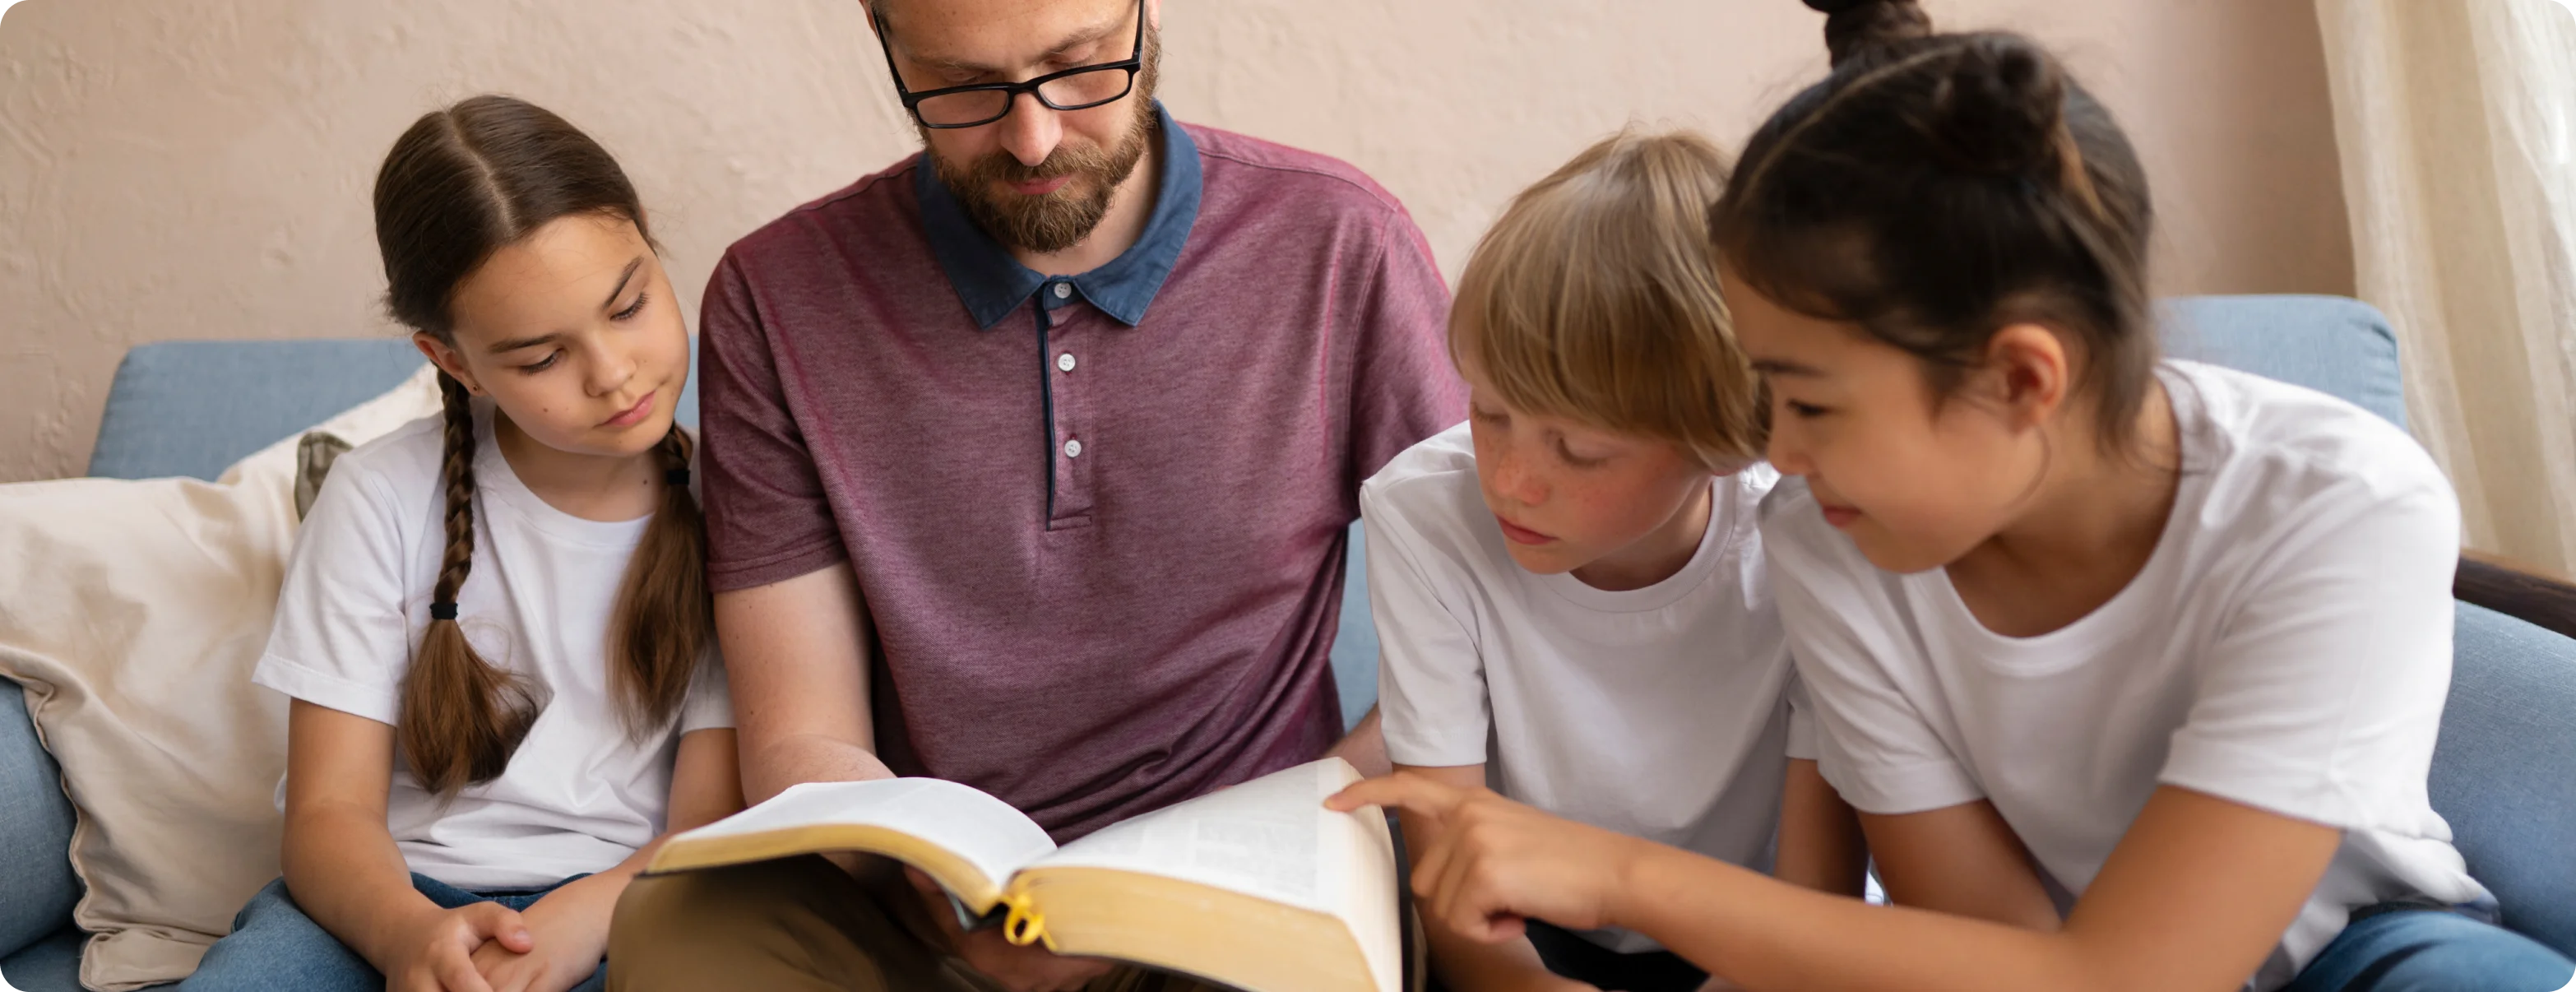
[[132, 612]]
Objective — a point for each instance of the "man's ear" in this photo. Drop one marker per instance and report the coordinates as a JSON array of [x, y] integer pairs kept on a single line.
[[448, 360], [1154, 14], [2027, 374]]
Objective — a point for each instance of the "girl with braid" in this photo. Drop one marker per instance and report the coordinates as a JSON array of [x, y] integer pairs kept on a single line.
[[2131, 666], [495, 629]]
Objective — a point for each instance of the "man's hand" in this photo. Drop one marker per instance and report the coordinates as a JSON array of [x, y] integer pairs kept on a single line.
[[1026, 969], [1493, 862], [1019, 969]]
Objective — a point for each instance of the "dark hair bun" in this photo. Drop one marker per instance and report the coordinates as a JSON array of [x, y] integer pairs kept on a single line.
[[1854, 27], [2000, 107]]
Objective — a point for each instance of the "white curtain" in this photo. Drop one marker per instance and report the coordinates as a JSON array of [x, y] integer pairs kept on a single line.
[[2457, 126]]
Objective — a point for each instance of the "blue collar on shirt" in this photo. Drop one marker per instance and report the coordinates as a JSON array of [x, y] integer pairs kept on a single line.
[[992, 284]]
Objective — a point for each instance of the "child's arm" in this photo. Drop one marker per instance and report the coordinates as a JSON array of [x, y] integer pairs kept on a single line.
[[1964, 860], [2193, 899], [1365, 746], [569, 926], [1821, 846], [1462, 963], [345, 873]]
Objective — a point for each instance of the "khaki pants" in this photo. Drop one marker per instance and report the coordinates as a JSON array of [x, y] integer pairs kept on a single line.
[[800, 924]]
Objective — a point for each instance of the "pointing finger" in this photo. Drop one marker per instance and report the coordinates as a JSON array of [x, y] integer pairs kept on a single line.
[[1402, 790]]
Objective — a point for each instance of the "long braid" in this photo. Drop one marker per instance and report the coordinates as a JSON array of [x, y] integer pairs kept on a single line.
[[458, 472], [665, 616], [461, 718]]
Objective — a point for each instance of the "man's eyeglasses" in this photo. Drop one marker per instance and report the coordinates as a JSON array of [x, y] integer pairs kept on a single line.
[[1078, 88]]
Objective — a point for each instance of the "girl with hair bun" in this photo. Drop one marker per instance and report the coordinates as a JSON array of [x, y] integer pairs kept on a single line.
[[2132, 666], [495, 631]]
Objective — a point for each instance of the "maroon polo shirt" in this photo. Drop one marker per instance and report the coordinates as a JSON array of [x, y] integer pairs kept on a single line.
[[1099, 520]]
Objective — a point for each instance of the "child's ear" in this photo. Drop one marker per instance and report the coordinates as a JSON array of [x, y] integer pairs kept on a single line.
[[2028, 372], [448, 360]]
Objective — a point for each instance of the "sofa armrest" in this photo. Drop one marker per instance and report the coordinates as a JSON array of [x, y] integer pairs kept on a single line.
[[2528, 594]]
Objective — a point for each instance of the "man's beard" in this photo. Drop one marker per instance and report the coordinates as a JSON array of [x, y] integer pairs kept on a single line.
[[1061, 219]]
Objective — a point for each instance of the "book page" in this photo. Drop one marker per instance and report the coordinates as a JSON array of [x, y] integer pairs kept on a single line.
[[1257, 887], [965, 821], [1270, 837]]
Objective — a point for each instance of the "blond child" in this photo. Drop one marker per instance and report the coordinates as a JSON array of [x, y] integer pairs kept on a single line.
[[1570, 588]]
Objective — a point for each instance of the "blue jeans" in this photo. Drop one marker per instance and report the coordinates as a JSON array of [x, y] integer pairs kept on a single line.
[[275, 946], [2432, 950]]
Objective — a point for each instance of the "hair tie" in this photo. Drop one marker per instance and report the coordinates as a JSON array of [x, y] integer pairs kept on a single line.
[[676, 477], [442, 611]]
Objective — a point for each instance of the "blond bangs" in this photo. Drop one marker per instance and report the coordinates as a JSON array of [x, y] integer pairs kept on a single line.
[[1595, 298]]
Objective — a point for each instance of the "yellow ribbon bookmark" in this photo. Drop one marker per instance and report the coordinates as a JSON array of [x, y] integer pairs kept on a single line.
[[1025, 925]]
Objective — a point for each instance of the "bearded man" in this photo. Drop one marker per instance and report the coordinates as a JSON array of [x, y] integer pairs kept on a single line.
[[1029, 466]]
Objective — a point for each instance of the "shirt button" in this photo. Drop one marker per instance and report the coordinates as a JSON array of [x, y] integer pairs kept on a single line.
[[1073, 449], [1063, 290], [1064, 361]]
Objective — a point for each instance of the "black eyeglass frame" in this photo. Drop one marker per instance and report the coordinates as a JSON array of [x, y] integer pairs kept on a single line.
[[1011, 91]]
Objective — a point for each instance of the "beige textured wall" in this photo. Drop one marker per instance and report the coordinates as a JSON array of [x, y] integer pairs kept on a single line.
[[199, 168]]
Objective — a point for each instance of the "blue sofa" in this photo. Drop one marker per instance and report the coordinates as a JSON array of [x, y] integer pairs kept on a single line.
[[2504, 773]]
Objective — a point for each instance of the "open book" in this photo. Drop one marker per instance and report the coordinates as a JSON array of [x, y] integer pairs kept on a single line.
[[1257, 886]]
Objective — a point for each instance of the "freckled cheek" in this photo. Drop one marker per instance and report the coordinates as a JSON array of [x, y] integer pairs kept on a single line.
[[1599, 516], [1568, 515]]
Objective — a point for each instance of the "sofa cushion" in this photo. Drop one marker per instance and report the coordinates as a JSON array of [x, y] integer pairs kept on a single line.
[[189, 408], [35, 832], [2334, 345], [132, 611], [2504, 773]]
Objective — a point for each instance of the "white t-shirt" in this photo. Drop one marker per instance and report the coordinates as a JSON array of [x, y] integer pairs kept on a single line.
[[1660, 712], [2287, 646], [579, 795]]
